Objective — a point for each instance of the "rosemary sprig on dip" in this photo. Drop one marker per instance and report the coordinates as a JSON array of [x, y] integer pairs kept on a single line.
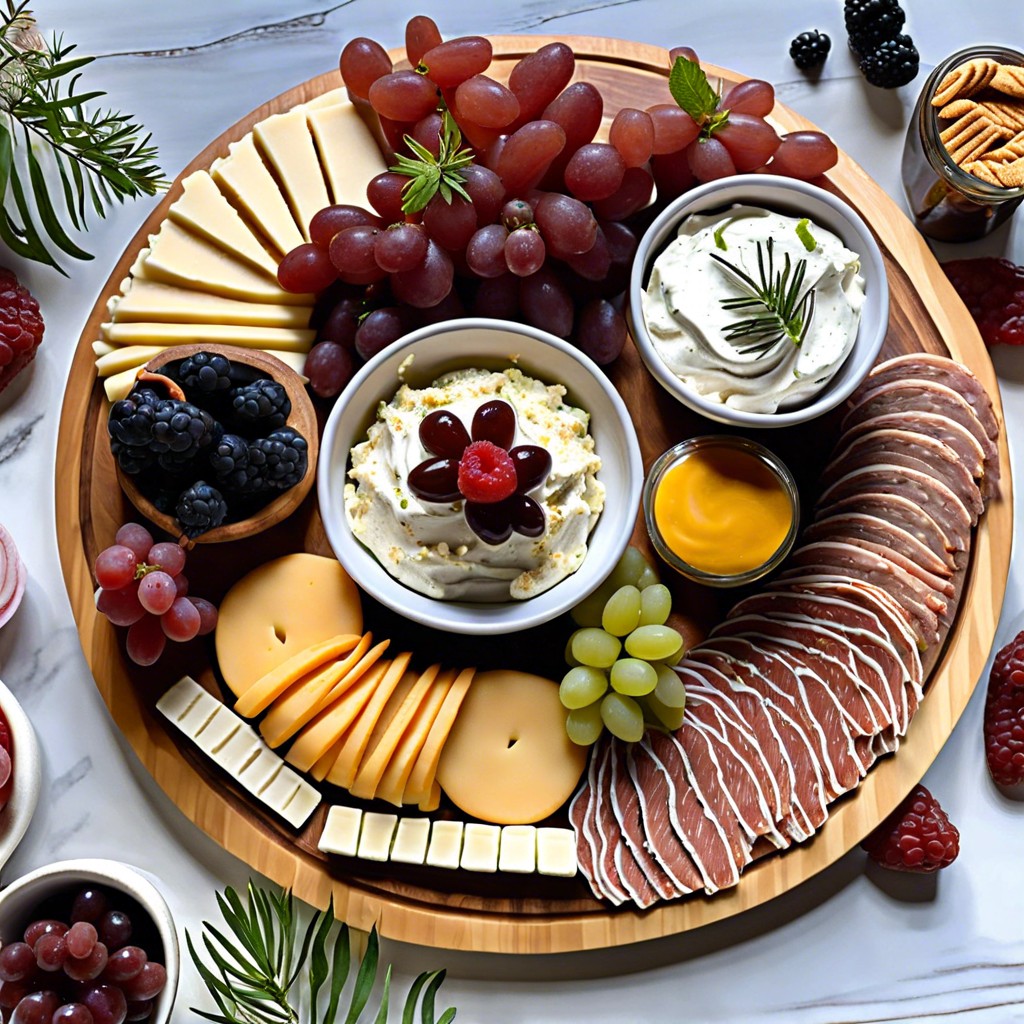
[[779, 306], [258, 963]]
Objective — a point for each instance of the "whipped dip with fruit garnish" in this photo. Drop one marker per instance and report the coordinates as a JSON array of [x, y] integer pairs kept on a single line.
[[754, 309], [480, 487]]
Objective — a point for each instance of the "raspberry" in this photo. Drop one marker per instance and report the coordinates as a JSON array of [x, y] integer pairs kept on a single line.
[[917, 836], [993, 291], [487, 473], [21, 327], [1004, 715]]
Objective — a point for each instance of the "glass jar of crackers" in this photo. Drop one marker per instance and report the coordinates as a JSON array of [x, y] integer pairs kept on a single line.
[[963, 161]]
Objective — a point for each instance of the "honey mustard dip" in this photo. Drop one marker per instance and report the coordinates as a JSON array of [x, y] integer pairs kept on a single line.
[[721, 510]]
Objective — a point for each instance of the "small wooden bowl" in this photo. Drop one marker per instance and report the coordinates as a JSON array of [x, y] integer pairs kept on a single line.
[[302, 419]]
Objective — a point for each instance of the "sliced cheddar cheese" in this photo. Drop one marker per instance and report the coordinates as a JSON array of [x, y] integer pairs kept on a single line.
[[203, 209], [279, 609], [243, 177], [432, 800], [153, 302], [365, 663], [290, 710], [117, 385], [325, 762], [257, 698], [164, 335], [177, 256], [325, 729], [421, 778], [328, 99], [347, 764], [405, 701], [125, 358], [102, 348], [348, 152], [286, 145], [392, 783]]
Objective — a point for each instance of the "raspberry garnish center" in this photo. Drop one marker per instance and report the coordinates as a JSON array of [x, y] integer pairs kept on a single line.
[[487, 473]]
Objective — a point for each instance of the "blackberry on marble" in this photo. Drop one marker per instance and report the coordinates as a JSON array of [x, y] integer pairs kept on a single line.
[[871, 22], [892, 64]]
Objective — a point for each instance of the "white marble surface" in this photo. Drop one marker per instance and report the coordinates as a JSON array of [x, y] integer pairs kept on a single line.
[[848, 946]]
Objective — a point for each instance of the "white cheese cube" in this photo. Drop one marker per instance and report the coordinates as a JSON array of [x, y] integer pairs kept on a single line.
[[556, 851], [410, 846], [341, 831], [480, 847], [518, 850], [375, 839], [445, 849]]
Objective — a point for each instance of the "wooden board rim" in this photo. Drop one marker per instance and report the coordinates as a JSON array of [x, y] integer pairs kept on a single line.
[[449, 925]]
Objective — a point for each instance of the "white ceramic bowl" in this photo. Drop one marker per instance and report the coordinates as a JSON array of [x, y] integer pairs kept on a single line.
[[490, 344], [18, 903], [27, 772], [786, 195]]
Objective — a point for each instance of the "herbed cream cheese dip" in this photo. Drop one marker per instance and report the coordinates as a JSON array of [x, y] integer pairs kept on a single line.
[[429, 546], [689, 326]]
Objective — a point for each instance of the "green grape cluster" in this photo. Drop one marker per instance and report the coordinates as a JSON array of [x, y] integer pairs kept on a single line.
[[621, 657]]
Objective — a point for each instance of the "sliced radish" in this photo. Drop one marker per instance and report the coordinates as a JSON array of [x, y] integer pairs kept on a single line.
[[12, 583]]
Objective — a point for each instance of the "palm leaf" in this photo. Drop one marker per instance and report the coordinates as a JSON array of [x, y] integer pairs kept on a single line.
[[251, 965]]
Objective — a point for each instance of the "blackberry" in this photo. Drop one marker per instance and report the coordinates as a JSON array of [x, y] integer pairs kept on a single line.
[[871, 22], [263, 403], [278, 460], [165, 430], [132, 460], [229, 460], [204, 373], [200, 508], [894, 63], [810, 49]]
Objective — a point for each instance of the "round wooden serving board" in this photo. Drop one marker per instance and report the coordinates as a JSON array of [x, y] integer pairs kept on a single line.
[[502, 913]]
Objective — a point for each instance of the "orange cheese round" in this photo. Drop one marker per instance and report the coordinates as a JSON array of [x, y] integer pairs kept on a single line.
[[507, 758], [279, 609]]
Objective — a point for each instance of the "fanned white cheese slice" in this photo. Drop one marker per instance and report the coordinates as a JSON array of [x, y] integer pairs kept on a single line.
[[286, 144], [237, 748], [348, 152], [286, 339], [203, 209], [328, 99], [125, 357], [102, 348], [176, 256], [244, 179], [147, 301]]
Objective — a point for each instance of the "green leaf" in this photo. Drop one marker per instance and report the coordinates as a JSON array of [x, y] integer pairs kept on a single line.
[[382, 1012], [315, 943], [691, 90], [365, 978], [719, 239], [46, 212], [340, 964]]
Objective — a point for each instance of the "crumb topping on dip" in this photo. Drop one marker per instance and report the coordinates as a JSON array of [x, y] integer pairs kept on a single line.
[[429, 546]]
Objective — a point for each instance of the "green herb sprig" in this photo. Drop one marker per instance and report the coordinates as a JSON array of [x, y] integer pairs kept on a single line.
[[98, 155], [691, 89], [429, 174], [261, 972], [780, 307]]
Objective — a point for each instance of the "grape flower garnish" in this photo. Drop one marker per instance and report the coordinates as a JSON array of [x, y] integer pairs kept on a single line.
[[482, 469]]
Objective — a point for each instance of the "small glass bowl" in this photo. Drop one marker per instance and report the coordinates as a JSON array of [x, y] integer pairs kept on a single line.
[[684, 449]]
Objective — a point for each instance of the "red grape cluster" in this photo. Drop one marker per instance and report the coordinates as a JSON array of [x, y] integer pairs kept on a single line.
[[143, 587], [79, 972], [527, 221]]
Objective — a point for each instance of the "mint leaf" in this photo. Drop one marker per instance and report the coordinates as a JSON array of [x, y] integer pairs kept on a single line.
[[719, 238], [691, 90]]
